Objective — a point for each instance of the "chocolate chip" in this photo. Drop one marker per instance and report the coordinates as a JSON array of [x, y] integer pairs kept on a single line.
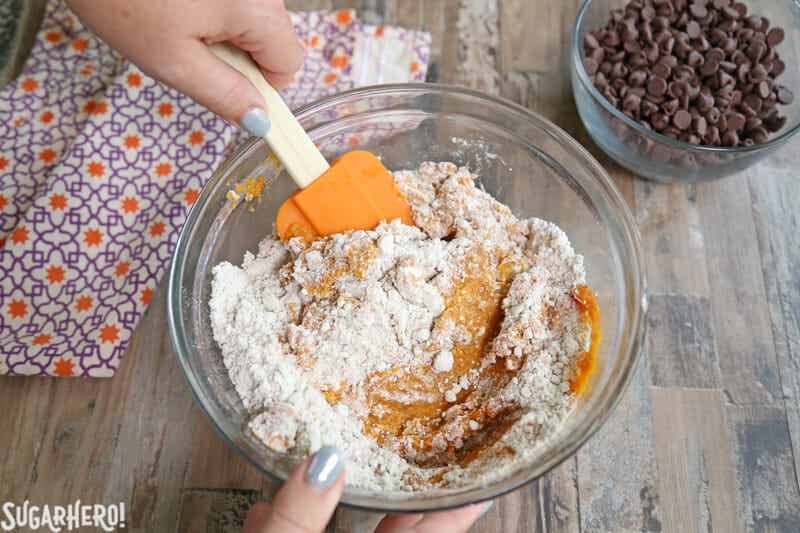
[[700, 71], [698, 10], [754, 102], [590, 65], [657, 86], [700, 126], [682, 119], [775, 36], [637, 78], [758, 74], [763, 89], [776, 123], [752, 123], [759, 135], [661, 70], [695, 59], [659, 121], [631, 102], [716, 54], [709, 67], [729, 138], [736, 122], [693, 29], [785, 96], [730, 13]]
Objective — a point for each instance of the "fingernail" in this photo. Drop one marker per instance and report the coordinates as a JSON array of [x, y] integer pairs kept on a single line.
[[325, 467], [255, 122], [486, 509]]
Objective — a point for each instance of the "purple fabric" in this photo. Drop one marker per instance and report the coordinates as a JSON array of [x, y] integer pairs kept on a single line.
[[98, 167]]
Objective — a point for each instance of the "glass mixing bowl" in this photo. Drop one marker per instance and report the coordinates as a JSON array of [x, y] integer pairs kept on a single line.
[[521, 159], [657, 157]]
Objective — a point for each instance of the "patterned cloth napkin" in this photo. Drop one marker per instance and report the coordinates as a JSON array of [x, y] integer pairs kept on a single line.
[[100, 163]]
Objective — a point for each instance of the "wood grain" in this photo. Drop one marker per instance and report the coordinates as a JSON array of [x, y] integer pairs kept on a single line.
[[694, 456], [704, 439]]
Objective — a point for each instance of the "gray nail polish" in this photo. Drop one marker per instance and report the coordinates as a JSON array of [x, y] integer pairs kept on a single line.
[[255, 122], [486, 509], [325, 467]]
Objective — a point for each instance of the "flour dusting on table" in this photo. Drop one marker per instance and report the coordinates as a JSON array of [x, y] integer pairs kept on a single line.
[[433, 355]]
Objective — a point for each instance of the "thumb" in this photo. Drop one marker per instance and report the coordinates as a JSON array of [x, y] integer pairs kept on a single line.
[[218, 86], [308, 498]]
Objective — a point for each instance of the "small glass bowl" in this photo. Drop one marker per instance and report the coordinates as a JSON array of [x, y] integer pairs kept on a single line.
[[657, 157], [521, 159]]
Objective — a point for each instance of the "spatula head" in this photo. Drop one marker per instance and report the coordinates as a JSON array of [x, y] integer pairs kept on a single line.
[[357, 192]]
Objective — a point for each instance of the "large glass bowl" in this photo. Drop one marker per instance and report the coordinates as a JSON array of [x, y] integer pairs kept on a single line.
[[522, 159], [654, 156]]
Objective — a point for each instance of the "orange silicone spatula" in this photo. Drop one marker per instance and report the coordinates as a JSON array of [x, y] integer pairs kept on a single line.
[[354, 192]]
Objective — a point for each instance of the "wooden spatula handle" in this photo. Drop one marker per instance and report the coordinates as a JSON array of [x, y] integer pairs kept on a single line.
[[286, 137]]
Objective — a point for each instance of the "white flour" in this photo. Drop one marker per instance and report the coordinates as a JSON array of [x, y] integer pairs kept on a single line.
[[434, 355]]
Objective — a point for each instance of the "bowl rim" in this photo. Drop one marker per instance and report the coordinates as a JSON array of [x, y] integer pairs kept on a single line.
[[577, 63], [632, 344]]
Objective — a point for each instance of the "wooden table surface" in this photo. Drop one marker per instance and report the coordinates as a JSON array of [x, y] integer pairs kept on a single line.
[[703, 439]]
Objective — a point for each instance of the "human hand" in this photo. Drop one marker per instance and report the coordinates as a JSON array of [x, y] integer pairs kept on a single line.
[[307, 500], [168, 41]]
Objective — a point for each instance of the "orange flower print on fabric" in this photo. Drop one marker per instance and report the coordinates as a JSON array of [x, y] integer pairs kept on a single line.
[[134, 79], [80, 44], [330, 77], [344, 16], [95, 108], [414, 67], [3, 201], [190, 196], [29, 84], [96, 169], [55, 274], [3, 162], [131, 142], [129, 205], [145, 295], [83, 303], [58, 201], [42, 339], [122, 268], [19, 120], [314, 41], [339, 61], [46, 117], [17, 308], [164, 109], [109, 333], [196, 137], [52, 37], [93, 237], [157, 229], [163, 169], [20, 235], [379, 31], [64, 367], [48, 155]]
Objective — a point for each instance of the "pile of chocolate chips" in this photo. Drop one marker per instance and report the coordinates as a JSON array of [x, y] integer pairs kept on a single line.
[[701, 71]]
